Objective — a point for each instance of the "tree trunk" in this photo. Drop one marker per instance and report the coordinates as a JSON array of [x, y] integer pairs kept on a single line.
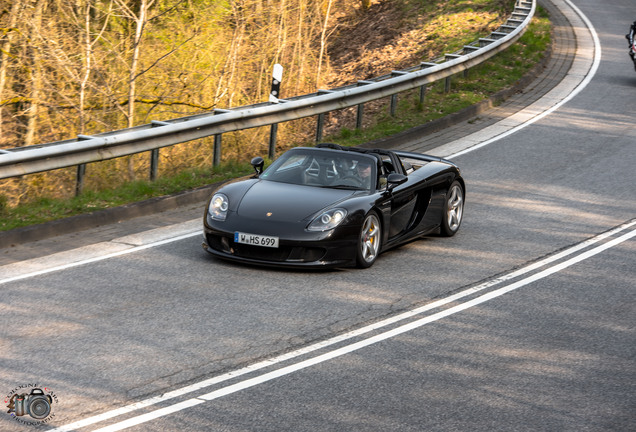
[[323, 42], [36, 75], [140, 18], [14, 15]]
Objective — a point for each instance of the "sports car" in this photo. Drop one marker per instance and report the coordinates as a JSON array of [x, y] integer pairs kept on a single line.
[[332, 206]]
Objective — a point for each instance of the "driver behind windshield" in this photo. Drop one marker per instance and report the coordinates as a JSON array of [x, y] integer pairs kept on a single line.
[[363, 170]]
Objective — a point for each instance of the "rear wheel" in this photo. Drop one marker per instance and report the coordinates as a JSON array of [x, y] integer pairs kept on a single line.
[[453, 210], [369, 241]]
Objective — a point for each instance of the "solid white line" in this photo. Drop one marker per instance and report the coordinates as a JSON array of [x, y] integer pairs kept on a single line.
[[341, 338], [588, 78], [144, 418], [130, 250], [366, 342]]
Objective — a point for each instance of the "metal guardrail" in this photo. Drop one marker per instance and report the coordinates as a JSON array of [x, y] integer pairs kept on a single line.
[[150, 137]]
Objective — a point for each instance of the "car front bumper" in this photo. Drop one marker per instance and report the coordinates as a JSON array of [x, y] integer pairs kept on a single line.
[[335, 248]]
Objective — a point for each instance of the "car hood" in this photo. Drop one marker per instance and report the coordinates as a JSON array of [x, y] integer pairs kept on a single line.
[[285, 202]]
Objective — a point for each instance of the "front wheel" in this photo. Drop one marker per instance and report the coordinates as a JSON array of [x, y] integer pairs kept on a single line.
[[453, 210], [369, 241]]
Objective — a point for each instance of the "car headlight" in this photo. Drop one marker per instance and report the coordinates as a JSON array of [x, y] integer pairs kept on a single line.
[[218, 207], [328, 220]]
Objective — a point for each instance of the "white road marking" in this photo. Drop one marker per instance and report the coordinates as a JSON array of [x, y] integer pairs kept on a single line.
[[99, 251], [585, 66], [346, 336], [283, 371]]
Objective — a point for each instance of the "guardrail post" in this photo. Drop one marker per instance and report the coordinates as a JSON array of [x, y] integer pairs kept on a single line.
[[423, 88], [360, 109], [472, 48], [79, 184], [81, 169], [393, 105], [447, 82], [321, 118], [394, 97], [216, 157], [359, 114], [422, 94], [154, 164], [154, 153], [272, 140], [216, 154], [319, 126]]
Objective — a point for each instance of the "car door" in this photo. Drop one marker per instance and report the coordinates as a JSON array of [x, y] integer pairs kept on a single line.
[[410, 206], [403, 198], [403, 206]]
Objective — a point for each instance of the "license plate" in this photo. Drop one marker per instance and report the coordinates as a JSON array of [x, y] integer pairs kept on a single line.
[[256, 239]]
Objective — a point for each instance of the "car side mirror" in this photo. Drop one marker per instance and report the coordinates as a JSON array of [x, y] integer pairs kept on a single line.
[[395, 179], [258, 164]]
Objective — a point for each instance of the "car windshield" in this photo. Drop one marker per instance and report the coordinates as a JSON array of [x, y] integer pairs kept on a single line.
[[324, 168]]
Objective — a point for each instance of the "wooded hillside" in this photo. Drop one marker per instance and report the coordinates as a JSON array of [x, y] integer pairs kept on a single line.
[[71, 67], [84, 66]]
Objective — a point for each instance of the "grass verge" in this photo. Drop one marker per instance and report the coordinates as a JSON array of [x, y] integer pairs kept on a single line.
[[483, 81]]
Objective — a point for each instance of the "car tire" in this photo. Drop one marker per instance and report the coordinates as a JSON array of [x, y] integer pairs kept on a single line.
[[453, 210], [369, 241]]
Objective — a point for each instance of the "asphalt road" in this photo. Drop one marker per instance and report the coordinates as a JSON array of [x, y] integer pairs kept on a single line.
[[525, 320]]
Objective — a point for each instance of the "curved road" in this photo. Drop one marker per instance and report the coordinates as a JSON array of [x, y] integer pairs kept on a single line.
[[525, 320]]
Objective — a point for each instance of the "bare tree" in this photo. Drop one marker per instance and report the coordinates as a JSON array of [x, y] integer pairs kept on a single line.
[[140, 18], [88, 41], [323, 41], [36, 73], [8, 34]]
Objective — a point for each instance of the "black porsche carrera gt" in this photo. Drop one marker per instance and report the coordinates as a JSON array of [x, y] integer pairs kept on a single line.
[[333, 206]]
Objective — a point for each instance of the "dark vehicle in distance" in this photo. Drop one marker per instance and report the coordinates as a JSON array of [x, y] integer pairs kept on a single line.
[[333, 206]]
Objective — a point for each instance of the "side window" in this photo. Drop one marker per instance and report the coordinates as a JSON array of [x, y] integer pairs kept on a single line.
[[387, 166]]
